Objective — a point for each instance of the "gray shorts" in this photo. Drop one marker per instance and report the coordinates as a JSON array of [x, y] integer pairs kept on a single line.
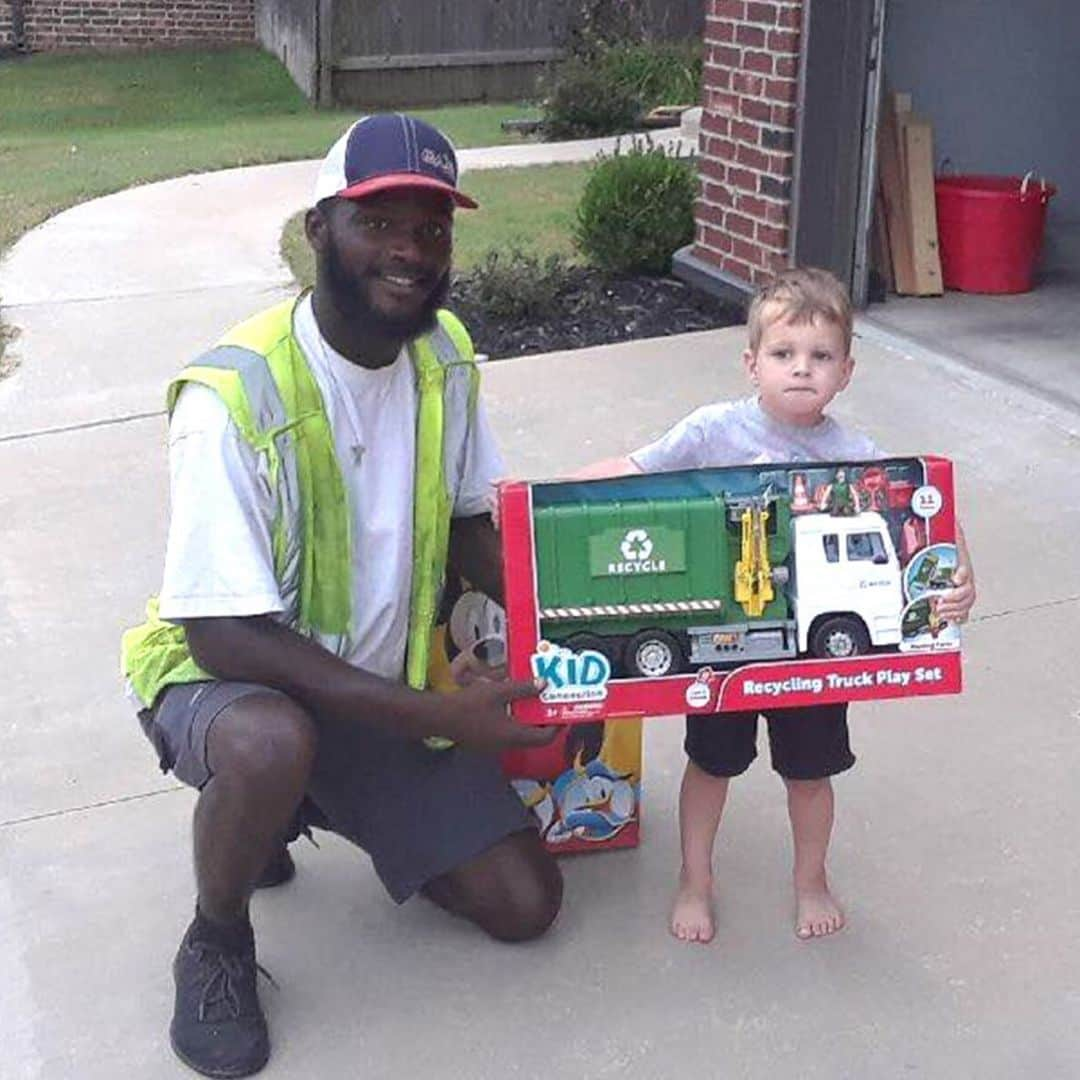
[[417, 812]]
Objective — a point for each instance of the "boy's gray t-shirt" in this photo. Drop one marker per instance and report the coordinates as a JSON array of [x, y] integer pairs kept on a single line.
[[742, 433]]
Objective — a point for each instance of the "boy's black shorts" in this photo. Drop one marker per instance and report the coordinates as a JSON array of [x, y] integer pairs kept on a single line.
[[806, 743]]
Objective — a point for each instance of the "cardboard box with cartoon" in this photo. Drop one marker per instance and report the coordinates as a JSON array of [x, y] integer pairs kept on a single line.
[[585, 786], [723, 589]]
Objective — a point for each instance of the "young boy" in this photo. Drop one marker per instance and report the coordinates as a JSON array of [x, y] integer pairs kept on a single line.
[[798, 359]]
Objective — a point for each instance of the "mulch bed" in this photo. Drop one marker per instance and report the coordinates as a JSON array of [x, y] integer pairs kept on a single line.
[[593, 309]]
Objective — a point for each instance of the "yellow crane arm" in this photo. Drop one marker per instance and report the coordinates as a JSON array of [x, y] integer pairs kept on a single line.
[[753, 574]]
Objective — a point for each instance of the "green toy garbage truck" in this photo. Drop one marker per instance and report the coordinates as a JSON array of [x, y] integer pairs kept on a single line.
[[661, 586]]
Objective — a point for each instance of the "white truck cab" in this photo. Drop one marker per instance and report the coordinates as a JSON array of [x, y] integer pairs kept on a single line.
[[846, 589]]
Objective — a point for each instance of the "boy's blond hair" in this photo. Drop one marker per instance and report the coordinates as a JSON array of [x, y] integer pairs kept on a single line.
[[800, 295]]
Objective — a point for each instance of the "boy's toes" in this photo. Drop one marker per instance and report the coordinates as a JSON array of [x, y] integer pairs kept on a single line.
[[818, 915]]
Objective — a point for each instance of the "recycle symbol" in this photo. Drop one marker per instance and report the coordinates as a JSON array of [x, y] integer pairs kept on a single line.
[[636, 546]]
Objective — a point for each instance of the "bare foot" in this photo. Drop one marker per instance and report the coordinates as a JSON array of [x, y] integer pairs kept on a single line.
[[692, 913], [818, 913]]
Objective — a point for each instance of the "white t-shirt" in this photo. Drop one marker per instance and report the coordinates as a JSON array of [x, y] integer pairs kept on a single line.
[[219, 558], [730, 433]]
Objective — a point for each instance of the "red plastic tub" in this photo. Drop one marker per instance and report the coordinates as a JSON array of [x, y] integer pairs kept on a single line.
[[990, 231]]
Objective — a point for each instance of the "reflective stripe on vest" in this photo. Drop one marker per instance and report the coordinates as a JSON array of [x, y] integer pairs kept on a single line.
[[260, 373]]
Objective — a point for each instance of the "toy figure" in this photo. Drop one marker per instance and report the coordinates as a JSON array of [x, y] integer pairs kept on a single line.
[[800, 495], [840, 498]]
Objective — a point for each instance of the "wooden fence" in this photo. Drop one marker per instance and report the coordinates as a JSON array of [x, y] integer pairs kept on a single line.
[[374, 53]]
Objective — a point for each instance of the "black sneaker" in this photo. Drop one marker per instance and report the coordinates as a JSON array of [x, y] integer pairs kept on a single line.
[[278, 870], [218, 1027]]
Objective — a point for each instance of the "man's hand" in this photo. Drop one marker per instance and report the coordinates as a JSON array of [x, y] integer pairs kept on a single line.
[[477, 715]]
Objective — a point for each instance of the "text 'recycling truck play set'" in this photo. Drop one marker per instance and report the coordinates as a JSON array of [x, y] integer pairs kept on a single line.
[[756, 587]]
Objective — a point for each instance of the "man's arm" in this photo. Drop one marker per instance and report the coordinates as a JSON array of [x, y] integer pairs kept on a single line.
[[258, 649]]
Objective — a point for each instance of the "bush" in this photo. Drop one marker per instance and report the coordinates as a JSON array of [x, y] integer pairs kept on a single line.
[[584, 101], [656, 74], [516, 286], [637, 210]]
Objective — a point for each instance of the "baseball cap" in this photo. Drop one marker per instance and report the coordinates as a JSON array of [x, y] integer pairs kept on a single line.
[[387, 151]]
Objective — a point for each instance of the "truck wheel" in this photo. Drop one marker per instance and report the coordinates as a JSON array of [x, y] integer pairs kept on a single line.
[[839, 636], [595, 643], [653, 654]]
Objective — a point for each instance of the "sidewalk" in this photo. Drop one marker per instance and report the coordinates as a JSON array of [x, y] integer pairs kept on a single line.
[[953, 850]]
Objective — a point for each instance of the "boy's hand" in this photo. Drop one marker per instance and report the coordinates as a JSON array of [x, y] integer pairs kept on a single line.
[[954, 605]]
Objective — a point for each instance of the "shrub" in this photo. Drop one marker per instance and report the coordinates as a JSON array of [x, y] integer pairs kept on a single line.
[[584, 101], [657, 73], [515, 285], [637, 210]]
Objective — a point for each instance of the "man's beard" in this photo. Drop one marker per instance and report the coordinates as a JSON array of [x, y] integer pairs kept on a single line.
[[351, 295]]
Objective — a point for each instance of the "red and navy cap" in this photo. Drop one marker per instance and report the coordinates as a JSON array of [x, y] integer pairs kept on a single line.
[[388, 151]]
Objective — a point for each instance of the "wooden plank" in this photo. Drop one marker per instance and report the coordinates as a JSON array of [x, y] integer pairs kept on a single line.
[[919, 158], [894, 195]]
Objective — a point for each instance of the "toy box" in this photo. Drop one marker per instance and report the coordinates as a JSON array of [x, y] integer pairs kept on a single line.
[[585, 787], [737, 588]]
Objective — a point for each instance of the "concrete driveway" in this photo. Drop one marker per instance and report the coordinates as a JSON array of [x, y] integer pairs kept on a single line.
[[954, 849]]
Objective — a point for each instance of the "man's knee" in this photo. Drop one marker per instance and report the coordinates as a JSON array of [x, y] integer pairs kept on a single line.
[[515, 893], [264, 738]]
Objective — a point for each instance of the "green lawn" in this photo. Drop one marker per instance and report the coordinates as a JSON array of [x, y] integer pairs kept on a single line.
[[73, 127], [77, 126], [529, 208]]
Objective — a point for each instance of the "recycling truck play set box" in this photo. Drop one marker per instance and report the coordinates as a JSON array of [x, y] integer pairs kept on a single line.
[[724, 589]]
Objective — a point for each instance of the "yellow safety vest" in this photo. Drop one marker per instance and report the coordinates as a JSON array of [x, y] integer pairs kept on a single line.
[[260, 372]]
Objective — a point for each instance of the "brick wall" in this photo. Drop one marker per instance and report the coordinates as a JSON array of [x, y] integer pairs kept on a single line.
[[747, 136], [112, 24]]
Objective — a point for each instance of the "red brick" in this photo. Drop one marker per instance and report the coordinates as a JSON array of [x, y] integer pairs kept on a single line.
[[707, 212], [776, 212], [716, 239], [716, 194], [783, 41], [743, 179], [753, 109], [717, 78], [752, 205], [737, 269], [791, 17], [749, 252], [752, 158], [719, 31], [783, 115], [787, 66], [719, 148], [723, 103], [761, 62], [772, 236], [729, 9], [781, 90], [743, 83], [715, 124], [762, 13], [739, 225], [754, 36], [726, 55], [745, 132]]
